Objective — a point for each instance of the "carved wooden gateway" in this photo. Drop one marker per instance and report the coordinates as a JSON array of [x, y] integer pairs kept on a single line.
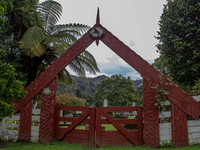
[[181, 103]]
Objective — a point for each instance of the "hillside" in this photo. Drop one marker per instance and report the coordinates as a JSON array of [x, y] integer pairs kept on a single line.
[[87, 89]]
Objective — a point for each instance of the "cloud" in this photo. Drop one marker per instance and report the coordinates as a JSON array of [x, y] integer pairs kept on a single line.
[[115, 65]]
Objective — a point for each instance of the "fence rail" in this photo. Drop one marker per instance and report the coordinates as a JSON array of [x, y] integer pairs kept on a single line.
[[10, 126]]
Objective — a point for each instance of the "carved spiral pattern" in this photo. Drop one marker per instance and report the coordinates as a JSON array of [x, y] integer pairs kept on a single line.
[[179, 127], [151, 120], [25, 123], [47, 114]]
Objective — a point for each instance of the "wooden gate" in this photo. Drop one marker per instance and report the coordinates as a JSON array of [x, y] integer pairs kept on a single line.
[[75, 124], [128, 130], [112, 125]]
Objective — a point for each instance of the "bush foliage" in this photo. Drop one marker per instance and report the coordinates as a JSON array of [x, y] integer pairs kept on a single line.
[[70, 100]]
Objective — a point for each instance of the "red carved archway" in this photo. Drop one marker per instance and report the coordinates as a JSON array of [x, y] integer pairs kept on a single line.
[[182, 103]]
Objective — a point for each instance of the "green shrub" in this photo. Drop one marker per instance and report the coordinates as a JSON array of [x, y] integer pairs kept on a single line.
[[70, 100]]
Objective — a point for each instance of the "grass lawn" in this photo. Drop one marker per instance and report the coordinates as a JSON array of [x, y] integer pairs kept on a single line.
[[66, 146]]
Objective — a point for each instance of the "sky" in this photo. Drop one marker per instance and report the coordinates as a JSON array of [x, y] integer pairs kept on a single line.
[[134, 22]]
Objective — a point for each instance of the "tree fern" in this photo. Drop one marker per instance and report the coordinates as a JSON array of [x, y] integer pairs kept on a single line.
[[51, 40]]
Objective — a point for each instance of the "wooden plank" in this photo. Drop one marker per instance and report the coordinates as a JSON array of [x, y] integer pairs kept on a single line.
[[67, 119], [165, 132], [12, 125], [76, 138], [164, 138], [140, 126], [72, 108], [194, 135], [74, 124], [92, 127], [192, 123], [36, 118], [34, 128], [165, 125], [98, 127], [194, 129], [121, 109], [14, 117], [165, 114], [194, 141], [36, 112], [121, 121], [116, 138], [119, 127], [34, 133]]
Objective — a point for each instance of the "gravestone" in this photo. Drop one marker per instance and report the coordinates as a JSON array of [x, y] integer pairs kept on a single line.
[[105, 103]]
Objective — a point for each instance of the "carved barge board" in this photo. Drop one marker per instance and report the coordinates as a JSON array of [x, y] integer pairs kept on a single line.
[[176, 95], [50, 73]]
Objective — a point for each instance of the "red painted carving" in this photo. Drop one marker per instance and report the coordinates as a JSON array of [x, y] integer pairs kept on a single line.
[[48, 104], [151, 120], [176, 95], [50, 73], [25, 123], [179, 126]]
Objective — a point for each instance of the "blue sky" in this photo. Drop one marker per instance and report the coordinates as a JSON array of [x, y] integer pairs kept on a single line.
[[134, 22]]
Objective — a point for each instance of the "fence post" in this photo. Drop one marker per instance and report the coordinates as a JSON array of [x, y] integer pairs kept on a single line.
[[151, 117], [48, 104], [25, 123], [179, 126]]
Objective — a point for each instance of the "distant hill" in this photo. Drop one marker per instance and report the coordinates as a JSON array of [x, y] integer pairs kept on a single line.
[[87, 89]]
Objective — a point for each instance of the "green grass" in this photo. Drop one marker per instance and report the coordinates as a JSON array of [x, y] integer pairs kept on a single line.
[[109, 127], [66, 146]]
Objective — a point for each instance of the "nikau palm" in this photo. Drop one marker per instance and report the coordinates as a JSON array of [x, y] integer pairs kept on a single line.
[[48, 41]]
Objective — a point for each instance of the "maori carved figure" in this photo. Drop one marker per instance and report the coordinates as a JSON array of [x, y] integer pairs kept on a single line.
[[151, 120], [179, 126], [47, 113], [25, 123]]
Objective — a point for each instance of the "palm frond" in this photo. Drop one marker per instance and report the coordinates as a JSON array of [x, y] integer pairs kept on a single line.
[[57, 44], [77, 68], [51, 12], [69, 37], [79, 28], [87, 64], [65, 77], [31, 42], [89, 56]]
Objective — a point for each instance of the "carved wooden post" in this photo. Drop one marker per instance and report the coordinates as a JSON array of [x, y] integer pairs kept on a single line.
[[25, 123], [151, 117], [48, 104], [179, 126]]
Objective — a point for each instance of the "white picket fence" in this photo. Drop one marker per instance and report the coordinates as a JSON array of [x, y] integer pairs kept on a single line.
[[10, 126], [193, 128]]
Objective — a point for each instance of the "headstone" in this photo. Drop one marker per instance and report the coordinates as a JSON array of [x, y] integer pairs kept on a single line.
[[105, 103]]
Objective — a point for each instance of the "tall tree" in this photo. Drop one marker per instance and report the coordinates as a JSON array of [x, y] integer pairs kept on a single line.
[[118, 90], [45, 43], [179, 40], [19, 16]]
